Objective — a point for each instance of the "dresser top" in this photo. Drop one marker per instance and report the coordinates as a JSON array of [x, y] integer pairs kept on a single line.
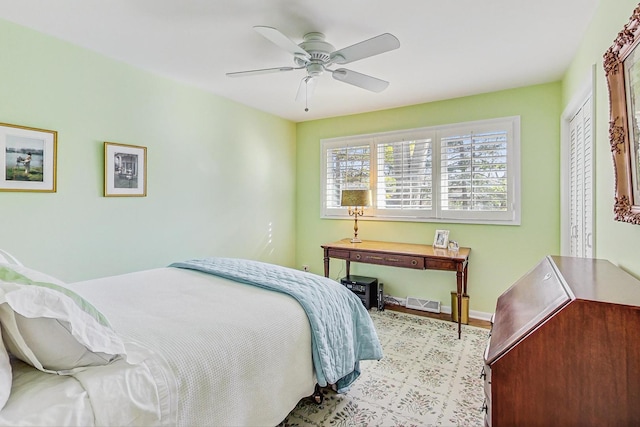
[[598, 280]]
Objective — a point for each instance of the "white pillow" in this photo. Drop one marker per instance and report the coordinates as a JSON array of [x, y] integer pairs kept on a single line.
[[5, 374], [51, 327], [7, 258]]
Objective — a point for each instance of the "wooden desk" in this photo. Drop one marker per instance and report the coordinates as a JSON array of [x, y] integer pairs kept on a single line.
[[406, 255]]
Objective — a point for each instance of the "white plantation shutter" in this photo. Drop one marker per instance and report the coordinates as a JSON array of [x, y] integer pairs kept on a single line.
[[405, 178], [581, 183], [479, 167], [474, 172], [346, 167], [455, 173]]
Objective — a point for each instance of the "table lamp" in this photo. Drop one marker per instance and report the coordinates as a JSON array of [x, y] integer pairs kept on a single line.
[[355, 200]]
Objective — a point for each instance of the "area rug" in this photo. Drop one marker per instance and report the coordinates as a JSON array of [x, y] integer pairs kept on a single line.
[[428, 377]]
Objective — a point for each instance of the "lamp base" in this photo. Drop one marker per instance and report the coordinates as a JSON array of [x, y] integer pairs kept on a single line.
[[356, 240]]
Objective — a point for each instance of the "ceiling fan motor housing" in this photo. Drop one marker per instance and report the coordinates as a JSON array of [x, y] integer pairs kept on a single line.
[[318, 48]]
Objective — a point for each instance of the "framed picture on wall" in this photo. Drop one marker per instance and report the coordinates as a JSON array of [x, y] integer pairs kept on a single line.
[[125, 170], [441, 239], [621, 63], [27, 159]]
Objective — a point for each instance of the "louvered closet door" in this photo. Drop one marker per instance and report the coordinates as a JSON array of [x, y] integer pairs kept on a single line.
[[581, 183]]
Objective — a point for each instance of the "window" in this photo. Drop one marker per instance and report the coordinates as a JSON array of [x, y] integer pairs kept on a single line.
[[467, 172]]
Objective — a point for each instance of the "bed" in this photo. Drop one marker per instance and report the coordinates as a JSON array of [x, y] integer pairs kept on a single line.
[[209, 342]]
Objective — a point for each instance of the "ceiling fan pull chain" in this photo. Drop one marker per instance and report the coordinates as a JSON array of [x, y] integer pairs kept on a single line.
[[306, 95]]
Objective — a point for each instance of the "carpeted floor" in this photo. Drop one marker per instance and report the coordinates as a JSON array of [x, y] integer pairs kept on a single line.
[[427, 378]]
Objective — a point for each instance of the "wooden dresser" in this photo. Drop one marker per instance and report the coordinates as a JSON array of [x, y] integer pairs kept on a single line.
[[565, 348]]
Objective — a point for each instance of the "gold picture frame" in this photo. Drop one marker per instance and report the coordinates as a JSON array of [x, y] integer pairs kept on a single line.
[[125, 170], [27, 159], [622, 68]]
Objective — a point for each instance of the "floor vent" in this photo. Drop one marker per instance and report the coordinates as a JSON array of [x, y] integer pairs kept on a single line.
[[423, 304]]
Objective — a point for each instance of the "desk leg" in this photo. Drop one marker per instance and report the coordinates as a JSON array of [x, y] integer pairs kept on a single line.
[[464, 283], [460, 280], [326, 263], [348, 267]]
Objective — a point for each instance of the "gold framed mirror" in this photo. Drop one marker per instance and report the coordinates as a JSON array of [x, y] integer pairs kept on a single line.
[[622, 69]]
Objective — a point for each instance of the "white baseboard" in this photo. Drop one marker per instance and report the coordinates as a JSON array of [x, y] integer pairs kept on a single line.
[[446, 309], [480, 315]]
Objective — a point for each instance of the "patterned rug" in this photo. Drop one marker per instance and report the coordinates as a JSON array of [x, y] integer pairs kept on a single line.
[[428, 377]]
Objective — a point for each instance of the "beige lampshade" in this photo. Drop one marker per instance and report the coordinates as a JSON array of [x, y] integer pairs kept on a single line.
[[357, 198]]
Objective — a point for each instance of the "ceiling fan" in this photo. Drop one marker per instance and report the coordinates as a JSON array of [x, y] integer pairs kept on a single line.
[[316, 56]]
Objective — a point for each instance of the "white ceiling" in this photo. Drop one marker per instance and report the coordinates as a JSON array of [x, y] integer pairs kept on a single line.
[[448, 48]]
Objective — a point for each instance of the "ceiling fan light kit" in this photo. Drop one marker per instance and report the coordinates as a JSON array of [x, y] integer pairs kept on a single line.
[[315, 55]]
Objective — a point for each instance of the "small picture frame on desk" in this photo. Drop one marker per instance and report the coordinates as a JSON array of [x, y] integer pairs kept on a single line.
[[441, 239]]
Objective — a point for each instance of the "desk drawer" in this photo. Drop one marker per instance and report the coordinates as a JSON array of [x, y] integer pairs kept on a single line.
[[386, 259], [441, 264], [338, 253]]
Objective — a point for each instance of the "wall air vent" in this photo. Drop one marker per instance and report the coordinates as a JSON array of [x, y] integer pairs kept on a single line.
[[423, 304]]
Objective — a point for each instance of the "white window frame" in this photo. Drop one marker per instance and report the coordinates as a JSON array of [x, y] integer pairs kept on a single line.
[[510, 125]]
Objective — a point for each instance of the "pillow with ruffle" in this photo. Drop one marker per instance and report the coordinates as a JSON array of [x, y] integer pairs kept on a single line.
[[7, 258], [51, 327], [5, 374]]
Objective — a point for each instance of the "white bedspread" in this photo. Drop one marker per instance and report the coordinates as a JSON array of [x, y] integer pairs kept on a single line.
[[38, 398], [239, 355], [88, 398]]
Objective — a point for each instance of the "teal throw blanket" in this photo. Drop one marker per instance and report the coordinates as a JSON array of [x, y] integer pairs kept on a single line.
[[342, 333]]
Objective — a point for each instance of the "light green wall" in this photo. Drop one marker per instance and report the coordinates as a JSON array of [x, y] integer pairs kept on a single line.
[[500, 254], [616, 241], [221, 176], [228, 180]]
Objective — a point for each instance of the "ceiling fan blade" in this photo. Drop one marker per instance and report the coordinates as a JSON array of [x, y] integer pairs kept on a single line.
[[282, 41], [260, 71], [361, 80], [306, 89], [374, 46]]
